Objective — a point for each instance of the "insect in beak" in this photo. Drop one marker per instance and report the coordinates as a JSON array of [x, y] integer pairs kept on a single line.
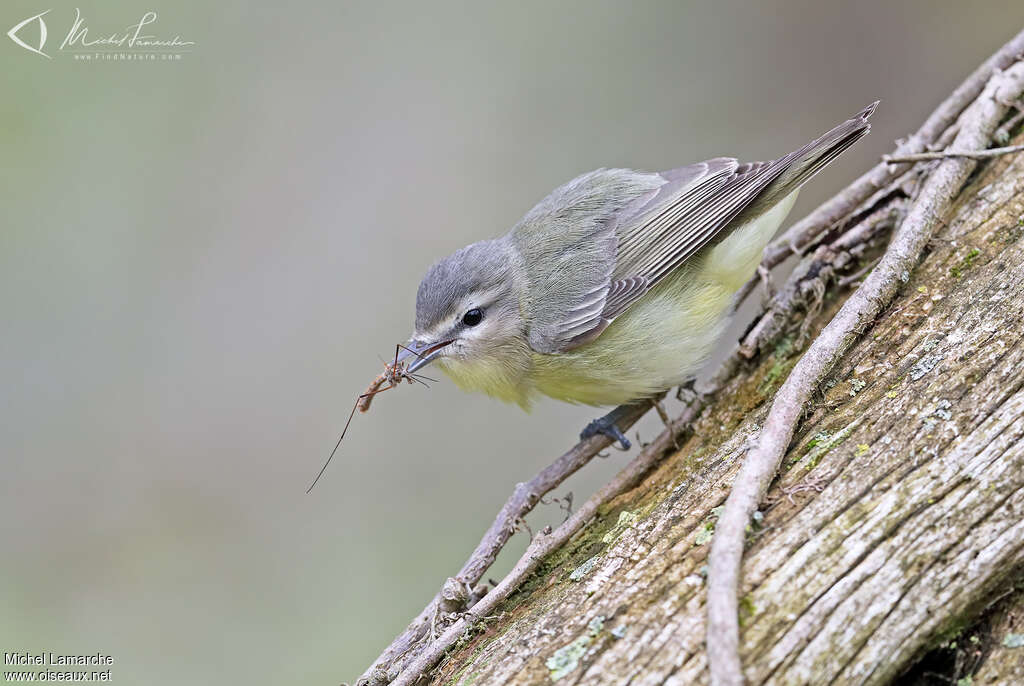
[[393, 375], [421, 354]]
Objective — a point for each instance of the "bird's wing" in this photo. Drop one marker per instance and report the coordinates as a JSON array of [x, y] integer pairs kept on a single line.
[[592, 275], [644, 227], [658, 237], [567, 245]]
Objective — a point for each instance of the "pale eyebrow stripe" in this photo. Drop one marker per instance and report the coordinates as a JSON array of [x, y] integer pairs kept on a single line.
[[481, 300]]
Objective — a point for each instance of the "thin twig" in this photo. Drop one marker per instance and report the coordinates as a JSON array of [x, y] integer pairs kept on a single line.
[[857, 275], [977, 125], [946, 154], [842, 204], [820, 266]]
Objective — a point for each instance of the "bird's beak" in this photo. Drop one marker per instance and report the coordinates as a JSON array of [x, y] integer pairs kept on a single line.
[[420, 353]]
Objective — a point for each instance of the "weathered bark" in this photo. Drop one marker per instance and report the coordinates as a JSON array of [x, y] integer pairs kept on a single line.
[[898, 518]]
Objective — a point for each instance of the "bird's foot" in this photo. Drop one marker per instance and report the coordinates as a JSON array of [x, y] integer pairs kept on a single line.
[[606, 426]]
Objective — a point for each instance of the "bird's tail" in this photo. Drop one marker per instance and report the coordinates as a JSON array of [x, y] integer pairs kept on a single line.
[[810, 159]]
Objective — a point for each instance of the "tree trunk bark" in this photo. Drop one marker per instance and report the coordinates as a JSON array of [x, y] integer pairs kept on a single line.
[[898, 517]]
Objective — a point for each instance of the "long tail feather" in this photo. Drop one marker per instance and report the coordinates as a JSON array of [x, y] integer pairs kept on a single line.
[[816, 155]]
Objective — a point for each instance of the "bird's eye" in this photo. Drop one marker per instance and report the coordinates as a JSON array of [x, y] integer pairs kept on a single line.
[[473, 317]]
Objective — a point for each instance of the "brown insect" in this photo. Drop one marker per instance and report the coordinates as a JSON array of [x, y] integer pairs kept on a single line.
[[394, 373], [392, 376]]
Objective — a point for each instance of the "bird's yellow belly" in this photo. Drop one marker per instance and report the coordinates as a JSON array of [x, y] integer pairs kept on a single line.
[[659, 342]]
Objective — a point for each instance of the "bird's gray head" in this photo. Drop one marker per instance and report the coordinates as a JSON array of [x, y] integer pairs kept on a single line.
[[468, 306]]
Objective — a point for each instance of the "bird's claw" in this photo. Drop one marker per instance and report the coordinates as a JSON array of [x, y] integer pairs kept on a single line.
[[606, 426]]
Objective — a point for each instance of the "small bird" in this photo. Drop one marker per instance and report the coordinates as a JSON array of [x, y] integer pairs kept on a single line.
[[616, 286]]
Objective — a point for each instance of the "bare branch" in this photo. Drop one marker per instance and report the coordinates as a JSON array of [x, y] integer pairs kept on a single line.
[[946, 154], [977, 126]]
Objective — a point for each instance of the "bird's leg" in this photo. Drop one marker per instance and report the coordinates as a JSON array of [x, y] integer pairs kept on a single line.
[[608, 426]]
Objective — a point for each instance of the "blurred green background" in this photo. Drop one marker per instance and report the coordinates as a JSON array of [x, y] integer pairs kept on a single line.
[[201, 262]]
